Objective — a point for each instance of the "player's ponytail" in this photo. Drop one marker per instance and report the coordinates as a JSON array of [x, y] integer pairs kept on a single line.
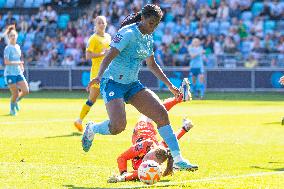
[[131, 18], [147, 11], [163, 155], [170, 163]]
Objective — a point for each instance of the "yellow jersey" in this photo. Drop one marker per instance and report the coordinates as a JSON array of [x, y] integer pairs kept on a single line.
[[97, 44]]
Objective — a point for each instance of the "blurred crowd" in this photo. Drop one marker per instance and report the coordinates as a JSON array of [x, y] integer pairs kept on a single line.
[[233, 33]]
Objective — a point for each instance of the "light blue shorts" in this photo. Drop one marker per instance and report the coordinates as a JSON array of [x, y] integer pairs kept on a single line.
[[13, 79], [196, 71], [112, 90]]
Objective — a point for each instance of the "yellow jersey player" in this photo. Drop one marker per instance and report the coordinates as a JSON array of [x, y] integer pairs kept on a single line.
[[97, 47]]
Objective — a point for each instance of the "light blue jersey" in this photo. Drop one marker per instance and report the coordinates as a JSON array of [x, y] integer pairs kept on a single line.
[[197, 61], [12, 53], [134, 47]]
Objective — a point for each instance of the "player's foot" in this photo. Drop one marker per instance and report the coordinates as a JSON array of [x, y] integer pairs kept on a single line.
[[13, 112], [17, 107], [185, 90], [78, 125], [13, 109], [88, 137], [187, 124], [184, 165]]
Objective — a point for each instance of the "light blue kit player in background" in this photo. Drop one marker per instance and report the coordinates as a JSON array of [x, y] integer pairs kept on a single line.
[[197, 68], [14, 69], [118, 77]]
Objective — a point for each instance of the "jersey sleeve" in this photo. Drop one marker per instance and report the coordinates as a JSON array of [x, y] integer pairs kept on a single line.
[[121, 40], [92, 42], [6, 53], [139, 149]]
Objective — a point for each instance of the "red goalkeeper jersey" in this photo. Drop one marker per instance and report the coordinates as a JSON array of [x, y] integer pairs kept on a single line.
[[143, 130]]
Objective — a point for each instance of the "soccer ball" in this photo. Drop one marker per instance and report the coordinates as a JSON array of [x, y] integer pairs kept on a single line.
[[149, 172]]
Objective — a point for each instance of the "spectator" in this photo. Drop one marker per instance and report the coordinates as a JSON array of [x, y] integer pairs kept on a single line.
[[223, 11], [251, 62], [212, 9], [167, 37], [41, 14], [71, 29], [229, 46], [10, 20], [68, 61], [50, 14]]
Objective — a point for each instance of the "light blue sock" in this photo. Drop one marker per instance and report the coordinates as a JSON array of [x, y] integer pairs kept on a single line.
[[169, 137], [12, 105], [102, 128], [202, 89]]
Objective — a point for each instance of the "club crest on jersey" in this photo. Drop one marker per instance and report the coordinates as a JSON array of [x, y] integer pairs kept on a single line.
[[117, 38]]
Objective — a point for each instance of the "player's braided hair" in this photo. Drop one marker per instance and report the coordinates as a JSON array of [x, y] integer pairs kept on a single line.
[[163, 155], [147, 11]]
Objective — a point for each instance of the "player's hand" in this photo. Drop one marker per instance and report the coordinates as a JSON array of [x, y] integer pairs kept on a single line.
[[96, 80], [117, 178], [175, 91], [281, 80]]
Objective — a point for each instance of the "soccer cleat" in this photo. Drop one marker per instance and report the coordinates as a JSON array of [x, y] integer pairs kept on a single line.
[[78, 125], [13, 109], [187, 124], [185, 90], [184, 165], [13, 112], [88, 137]]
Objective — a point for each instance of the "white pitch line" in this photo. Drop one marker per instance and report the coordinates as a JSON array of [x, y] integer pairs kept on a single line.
[[210, 179]]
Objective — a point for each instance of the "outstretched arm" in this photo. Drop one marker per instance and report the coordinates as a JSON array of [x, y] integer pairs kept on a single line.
[[157, 71]]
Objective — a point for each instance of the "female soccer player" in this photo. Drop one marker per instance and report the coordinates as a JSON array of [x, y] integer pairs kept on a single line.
[[96, 50], [145, 146], [14, 68], [118, 78], [196, 67]]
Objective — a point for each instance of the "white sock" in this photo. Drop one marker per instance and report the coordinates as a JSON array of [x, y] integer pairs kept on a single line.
[[177, 158]]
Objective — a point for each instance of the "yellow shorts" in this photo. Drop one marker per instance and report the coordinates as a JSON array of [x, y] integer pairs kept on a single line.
[[93, 74]]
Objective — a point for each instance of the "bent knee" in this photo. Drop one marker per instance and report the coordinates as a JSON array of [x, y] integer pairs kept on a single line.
[[162, 118], [117, 127]]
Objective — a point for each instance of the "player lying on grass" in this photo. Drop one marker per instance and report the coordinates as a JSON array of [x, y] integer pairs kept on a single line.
[[145, 146]]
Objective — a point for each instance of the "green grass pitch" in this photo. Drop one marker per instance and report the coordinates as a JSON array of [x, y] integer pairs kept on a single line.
[[237, 141]]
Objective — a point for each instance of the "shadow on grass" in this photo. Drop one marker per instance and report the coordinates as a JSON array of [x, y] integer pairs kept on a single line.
[[161, 184], [273, 123], [271, 169], [276, 162], [70, 135], [122, 187], [6, 115]]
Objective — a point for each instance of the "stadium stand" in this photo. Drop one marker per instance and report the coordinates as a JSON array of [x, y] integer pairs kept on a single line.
[[234, 33]]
